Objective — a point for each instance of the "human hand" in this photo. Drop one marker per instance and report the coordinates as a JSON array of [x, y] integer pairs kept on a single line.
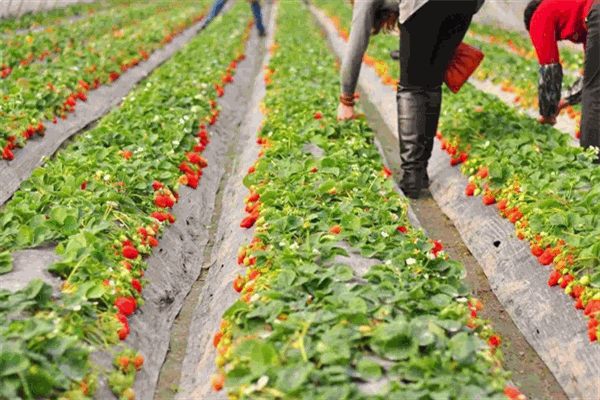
[[345, 112]]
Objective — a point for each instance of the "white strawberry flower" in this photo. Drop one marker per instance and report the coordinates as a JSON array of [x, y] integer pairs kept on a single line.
[[411, 261], [384, 234]]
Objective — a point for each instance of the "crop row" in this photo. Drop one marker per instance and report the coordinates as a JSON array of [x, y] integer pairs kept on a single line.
[[542, 184], [105, 200], [30, 20], [51, 88], [308, 326]]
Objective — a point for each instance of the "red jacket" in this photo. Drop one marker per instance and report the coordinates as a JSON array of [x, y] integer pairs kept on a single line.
[[556, 20]]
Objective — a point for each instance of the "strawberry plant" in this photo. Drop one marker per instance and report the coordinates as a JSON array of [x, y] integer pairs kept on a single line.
[[51, 88], [308, 325], [30, 20], [104, 200]]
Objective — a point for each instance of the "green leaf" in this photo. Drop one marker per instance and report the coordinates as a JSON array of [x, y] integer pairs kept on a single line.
[[369, 369], [264, 356], [12, 360], [6, 261]]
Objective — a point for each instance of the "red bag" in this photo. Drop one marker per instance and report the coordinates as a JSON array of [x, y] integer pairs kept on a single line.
[[464, 61]]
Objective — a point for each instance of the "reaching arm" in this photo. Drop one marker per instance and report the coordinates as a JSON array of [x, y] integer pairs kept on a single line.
[[363, 17]]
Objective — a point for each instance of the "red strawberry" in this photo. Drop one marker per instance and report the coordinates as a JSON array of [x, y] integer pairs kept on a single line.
[[536, 250], [494, 341], [577, 291], [318, 115], [470, 190], [483, 172], [7, 154], [387, 172], [217, 338], [253, 197], [251, 170], [401, 229], [336, 229], [253, 274], [516, 215], [249, 221], [136, 285], [217, 381], [437, 247], [194, 158], [161, 201], [152, 241], [192, 180], [313, 170], [123, 332], [546, 258], [159, 216], [130, 252], [138, 361], [454, 161], [593, 334], [126, 264], [462, 157], [512, 393], [126, 154], [170, 218], [157, 185], [554, 277], [142, 231], [241, 255], [126, 305], [83, 185], [566, 280], [488, 199], [579, 304], [238, 284], [502, 204], [593, 323], [592, 307]]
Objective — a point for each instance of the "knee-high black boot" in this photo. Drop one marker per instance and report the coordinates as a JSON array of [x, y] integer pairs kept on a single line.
[[418, 116]]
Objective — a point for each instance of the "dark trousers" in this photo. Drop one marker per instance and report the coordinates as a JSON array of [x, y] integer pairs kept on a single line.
[[427, 40], [590, 95]]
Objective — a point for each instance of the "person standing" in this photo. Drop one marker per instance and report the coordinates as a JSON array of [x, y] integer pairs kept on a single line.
[[430, 31], [256, 11], [578, 21]]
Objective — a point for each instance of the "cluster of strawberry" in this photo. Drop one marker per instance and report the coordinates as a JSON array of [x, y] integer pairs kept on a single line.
[[5, 71], [456, 157], [252, 208], [546, 251]]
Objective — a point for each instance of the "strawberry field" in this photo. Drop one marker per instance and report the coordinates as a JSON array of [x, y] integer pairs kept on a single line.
[[211, 230]]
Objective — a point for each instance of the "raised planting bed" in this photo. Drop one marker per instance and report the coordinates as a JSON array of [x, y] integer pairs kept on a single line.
[[394, 320], [33, 94], [104, 202]]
